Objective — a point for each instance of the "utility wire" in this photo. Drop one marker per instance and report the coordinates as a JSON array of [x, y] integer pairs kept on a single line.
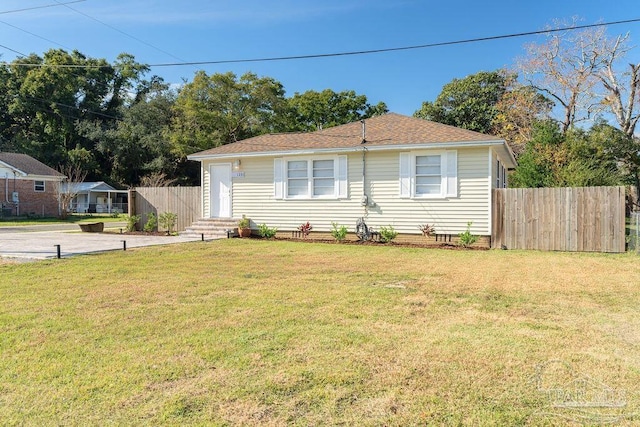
[[350, 53], [119, 31], [40, 7], [396, 49], [84, 110], [104, 85], [34, 35], [10, 50]]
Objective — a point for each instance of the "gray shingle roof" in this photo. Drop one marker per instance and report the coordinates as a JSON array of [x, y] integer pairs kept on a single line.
[[388, 129], [28, 164]]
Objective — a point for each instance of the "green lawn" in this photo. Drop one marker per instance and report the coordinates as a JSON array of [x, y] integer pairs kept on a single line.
[[249, 332]]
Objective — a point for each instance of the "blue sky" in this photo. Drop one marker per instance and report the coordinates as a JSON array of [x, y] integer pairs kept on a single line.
[[168, 31]]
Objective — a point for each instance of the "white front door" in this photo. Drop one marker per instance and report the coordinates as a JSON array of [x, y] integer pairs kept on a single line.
[[220, 197]]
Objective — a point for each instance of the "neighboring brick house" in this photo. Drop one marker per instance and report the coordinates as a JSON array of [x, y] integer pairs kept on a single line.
[[27, 186]]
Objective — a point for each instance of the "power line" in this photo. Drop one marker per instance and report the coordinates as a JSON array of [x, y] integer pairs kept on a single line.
[[50, 41], [34, 35], [349, 53], [119, 31], [11, 50], [41, 7], [84, 110], [396, 49]]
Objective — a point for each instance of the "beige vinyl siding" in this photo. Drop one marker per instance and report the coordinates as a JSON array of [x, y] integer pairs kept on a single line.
[[448, 215], [206, 185], [253, 196]]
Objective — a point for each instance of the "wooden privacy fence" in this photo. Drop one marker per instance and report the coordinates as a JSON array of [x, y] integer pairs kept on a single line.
[[182, 201], [589, 219]]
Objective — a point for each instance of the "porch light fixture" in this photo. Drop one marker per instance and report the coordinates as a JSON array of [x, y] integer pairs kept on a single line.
[[236, 164]]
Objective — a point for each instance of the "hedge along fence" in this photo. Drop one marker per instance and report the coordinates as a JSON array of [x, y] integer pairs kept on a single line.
[[584, 219], [182, 201]]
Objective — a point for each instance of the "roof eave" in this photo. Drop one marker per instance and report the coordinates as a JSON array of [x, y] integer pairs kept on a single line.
[[394, 147], [13, 168]]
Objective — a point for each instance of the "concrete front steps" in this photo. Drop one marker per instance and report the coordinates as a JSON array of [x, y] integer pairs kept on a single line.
[[212, 228]]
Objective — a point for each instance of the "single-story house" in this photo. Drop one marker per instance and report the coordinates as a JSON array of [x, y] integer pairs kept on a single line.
[[28, 186], [390, 170], [96, 197]]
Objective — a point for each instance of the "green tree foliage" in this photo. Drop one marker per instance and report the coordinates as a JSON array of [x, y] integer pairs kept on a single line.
[[48, 101], [113, 122], [517, 111], [576, 158], [217, 109], [136, 145], [468, 103], [314, 110]]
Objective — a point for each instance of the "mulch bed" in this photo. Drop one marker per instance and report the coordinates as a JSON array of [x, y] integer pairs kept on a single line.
[[442, 245]]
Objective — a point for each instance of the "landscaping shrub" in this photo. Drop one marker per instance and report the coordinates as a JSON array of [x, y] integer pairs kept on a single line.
[[131, 222], [152, 223], [467, 239], [266, 232], [339, 232], [387, 234], [168, 220]]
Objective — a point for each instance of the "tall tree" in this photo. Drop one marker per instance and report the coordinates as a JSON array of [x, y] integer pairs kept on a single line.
[[517, 112], [49, 99], [217, 109], [575, 158], [314, 110], [468, 103], [622, 89], [568, 67], [54, 97], [136, 145]]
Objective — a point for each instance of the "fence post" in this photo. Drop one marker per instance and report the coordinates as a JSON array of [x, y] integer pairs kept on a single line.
[[131, 209]]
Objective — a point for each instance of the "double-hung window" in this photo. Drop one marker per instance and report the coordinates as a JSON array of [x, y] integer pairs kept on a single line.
[[297, 178], [429, 174], [309, 178], [38, 186], [324, 180]]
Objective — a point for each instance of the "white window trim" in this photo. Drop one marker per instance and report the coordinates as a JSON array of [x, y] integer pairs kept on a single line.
[[281, 180], [44, 186], [448, 174]]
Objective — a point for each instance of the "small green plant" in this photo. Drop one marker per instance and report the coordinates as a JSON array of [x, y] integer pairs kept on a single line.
[[305, 229], [387, 234], [427, 230], [266, 232], [168, 220], [339, 232], [152, 223], [131, 222], [467, 239], [244, 222]]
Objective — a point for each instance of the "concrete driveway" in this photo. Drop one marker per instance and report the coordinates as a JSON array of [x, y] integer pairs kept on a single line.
[[39, 242]]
